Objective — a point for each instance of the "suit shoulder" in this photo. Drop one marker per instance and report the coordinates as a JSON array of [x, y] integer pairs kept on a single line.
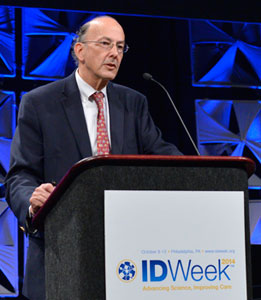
[[48, 91], [47, 88]]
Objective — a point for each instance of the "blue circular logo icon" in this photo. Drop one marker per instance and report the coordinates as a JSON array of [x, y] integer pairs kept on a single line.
[[126, 270]]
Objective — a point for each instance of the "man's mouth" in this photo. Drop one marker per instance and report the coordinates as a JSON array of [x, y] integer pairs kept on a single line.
[[111, 65]]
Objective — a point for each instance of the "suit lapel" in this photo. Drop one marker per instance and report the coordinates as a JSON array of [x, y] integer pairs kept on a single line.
[[116, 119], [74, 111]]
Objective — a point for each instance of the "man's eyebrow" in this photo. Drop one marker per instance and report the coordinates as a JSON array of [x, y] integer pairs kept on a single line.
[[105, 38]]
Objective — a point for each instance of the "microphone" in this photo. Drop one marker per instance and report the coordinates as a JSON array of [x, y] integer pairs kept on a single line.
[[148, 76]]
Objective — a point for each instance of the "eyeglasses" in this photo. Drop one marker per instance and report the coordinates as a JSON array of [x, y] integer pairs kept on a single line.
[[108, 45]]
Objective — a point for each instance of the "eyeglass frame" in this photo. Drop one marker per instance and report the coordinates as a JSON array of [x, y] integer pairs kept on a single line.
[[124, 50]]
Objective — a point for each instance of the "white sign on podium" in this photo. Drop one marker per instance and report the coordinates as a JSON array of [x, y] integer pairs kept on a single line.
[[185, 245]]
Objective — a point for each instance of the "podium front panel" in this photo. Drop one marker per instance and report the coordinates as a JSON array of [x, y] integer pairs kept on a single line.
[[74, 229]]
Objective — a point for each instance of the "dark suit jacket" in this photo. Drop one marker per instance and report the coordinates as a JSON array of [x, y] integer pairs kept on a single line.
[[52, 135]]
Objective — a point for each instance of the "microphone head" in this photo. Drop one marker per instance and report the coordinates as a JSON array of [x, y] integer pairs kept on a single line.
[[147, 76]]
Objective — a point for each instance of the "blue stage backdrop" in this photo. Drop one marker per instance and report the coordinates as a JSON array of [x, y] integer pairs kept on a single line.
[[7, 42], [226, 54], [8, 224], [213, 68]]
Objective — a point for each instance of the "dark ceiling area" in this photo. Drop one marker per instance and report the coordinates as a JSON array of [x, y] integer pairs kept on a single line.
[[216, 10]]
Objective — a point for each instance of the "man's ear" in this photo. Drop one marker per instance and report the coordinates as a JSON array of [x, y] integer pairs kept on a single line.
[[79, 51]]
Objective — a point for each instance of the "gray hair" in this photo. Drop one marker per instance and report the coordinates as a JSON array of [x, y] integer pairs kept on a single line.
[[79, 38]]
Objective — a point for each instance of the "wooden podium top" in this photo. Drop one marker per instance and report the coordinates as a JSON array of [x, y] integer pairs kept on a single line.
[[139, 160]]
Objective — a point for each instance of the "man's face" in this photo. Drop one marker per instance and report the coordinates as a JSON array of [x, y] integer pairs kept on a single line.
[[96, 63]]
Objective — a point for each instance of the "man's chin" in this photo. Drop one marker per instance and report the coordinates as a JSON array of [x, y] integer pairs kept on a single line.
[[109, 75]]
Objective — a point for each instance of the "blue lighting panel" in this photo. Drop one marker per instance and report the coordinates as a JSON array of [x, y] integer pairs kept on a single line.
[[8, 252], [7, 125], [256, 235], [8, 222], [230, 127], [7, 42], [225, 54], [47, 36]]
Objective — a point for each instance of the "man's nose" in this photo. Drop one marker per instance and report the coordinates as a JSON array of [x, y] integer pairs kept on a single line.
[[114, 50]]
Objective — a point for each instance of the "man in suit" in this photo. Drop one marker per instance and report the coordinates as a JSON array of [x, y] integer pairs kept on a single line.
[[57, 126]]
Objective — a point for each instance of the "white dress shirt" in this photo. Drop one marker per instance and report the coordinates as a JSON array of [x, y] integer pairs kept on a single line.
[[91, 110]]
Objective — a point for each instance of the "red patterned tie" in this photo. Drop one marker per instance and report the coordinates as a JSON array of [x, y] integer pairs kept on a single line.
[[103, 144]]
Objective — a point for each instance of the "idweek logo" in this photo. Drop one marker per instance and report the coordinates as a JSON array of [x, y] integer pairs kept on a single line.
[[189, 271], [127, 270]]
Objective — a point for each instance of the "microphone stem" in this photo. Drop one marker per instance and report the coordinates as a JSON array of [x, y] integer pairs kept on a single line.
[[185, 127]]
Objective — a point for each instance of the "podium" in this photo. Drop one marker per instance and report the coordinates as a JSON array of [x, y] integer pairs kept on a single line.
[[74, 226]]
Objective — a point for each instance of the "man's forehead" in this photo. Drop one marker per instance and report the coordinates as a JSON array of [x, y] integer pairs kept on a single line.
[[105, 27], [104, 20]]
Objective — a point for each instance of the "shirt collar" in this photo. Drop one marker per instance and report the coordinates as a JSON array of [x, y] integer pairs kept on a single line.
[[85, 89]]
